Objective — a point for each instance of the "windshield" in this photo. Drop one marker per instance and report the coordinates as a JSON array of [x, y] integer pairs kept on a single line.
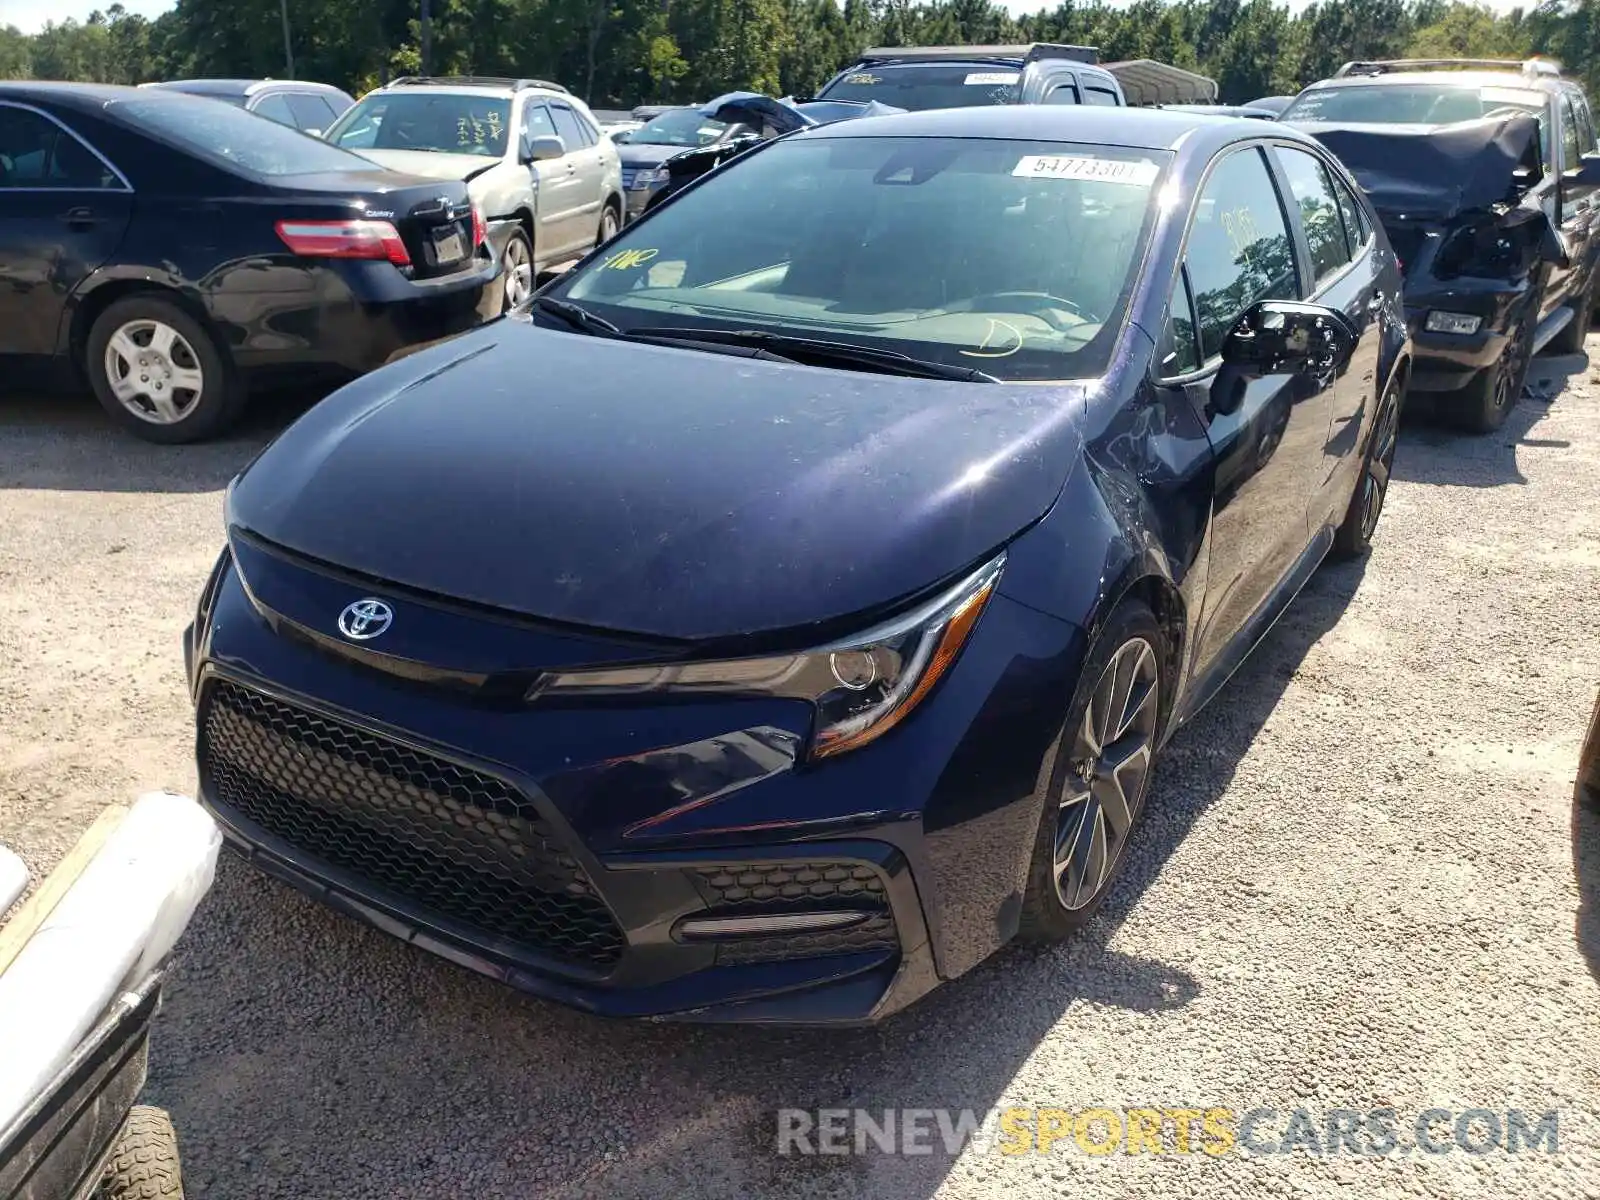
[[445, 123], [231, 137], [930, 85], [1012, 257], [682, 127], [1409, 104]]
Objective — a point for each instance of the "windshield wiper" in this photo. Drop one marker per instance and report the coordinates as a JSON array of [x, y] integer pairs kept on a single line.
[[577, 316], [817, 350]]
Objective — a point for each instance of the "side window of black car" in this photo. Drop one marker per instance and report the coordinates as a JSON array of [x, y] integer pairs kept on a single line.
[[36, 153], [1239, 249], [1181, 354], [1571, 147], [1356, 230], [1319, 212]]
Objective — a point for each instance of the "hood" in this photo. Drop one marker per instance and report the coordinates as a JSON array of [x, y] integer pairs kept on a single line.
[[431, 164], [654, 490], [757, 110], [1436, 172], [643, 154]]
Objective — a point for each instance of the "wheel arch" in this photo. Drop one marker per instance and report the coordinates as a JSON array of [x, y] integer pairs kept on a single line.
[[91, 304], [1156, 591]]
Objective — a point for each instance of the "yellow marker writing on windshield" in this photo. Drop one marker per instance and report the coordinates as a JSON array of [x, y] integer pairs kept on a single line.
[[627, 260]]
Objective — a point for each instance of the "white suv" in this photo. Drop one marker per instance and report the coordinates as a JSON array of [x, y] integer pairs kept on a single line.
[[548, 182]]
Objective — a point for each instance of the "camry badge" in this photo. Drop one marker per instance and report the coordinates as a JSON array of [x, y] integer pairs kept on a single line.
[[365, 619]]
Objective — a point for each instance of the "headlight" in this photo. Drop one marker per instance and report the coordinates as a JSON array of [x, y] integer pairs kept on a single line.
[[1449, 322], [651, 177], [861, 687]]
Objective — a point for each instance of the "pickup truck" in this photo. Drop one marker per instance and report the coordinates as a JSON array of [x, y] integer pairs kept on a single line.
[[924, 77]]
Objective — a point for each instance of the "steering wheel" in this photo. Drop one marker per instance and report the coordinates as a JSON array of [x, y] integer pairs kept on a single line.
[[1043, 301]]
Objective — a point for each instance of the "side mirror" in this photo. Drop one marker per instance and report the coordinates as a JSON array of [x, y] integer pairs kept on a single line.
[[542, 148], [1287, 337], [619, 138]]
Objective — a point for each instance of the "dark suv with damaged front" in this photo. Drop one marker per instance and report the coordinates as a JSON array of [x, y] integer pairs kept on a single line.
[[1485, 174]]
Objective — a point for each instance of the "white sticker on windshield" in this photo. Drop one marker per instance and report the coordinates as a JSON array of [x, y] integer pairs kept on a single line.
[[1102, 170], [987, 78]]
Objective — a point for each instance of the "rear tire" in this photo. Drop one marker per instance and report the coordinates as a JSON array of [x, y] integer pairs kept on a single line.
[[1483, 405], [1097, 777], [518, 262], [159, 373], [610, 224], [1354, 537], [144, 1164]]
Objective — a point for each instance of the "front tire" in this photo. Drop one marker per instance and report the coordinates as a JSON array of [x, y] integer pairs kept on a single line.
[[1098, 776], [1482, 406], [159, 373], [144, 1164]]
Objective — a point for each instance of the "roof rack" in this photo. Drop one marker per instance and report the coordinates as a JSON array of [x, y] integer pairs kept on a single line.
[[516, 85], [1532, 67], [1029, 52]]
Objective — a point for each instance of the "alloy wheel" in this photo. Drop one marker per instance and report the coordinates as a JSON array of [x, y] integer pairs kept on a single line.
[[1509, 379], [1380, 463], [519, 272], [1111, 758], [154, 372], [608, 225]]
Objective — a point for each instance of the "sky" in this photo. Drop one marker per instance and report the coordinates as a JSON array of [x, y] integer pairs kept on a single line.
[[30, 15]]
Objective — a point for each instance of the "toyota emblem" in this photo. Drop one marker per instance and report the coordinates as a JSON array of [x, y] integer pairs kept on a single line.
[[365, 619]]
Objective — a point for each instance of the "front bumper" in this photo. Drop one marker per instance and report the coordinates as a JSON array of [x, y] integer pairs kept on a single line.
[[562, 851], [1447, 362]]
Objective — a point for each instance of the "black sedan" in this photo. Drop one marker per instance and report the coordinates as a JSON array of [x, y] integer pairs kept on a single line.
[[841, 658], [169, 248]]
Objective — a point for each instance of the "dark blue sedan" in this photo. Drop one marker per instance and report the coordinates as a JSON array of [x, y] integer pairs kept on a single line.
[[980, 446]]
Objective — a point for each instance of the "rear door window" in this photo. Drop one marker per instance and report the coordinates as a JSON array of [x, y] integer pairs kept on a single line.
[[1239, 250], [1102, 96], [1313, 194], [1062, 93], [1355, 223], [568, 127]]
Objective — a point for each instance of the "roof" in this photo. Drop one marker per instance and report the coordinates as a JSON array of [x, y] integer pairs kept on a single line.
[[1022, 53], [1139, 128], [239, 87], [80, 95], [1509, 78]]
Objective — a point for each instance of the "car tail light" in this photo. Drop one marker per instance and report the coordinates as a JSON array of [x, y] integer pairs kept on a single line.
[[480, 231], [345, 239]]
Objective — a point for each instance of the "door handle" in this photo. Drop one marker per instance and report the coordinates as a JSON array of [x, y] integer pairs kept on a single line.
[[79, 217]]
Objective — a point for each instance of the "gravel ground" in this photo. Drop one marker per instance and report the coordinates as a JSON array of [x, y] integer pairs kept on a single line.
[[1362, 883]]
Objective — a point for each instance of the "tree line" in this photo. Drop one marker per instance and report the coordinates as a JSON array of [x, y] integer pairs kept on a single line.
[[617, 53]]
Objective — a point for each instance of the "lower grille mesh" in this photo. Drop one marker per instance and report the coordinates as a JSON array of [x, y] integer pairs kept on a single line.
[[455, 843], [798, 887]]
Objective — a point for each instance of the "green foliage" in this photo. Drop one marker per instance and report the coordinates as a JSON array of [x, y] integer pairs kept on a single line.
[[623, 52]]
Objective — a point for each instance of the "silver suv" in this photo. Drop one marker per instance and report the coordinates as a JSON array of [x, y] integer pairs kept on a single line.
[[548, 182]]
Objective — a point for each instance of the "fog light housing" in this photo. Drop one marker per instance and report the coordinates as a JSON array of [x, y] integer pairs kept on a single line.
[[1464, 324]]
